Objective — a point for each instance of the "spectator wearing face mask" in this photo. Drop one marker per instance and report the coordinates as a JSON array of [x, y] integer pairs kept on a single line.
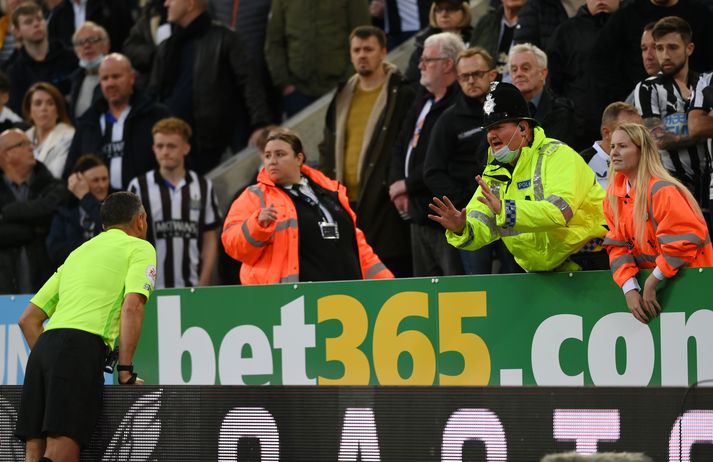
[[536, 194], [91, 44]]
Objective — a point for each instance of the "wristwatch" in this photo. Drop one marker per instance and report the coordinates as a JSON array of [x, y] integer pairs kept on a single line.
[[127, 368]]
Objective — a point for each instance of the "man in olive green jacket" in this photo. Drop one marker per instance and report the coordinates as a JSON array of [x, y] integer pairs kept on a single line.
[[307, 47]]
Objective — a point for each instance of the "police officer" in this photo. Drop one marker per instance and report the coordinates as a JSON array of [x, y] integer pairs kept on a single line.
[[536, 193], [97, 295]]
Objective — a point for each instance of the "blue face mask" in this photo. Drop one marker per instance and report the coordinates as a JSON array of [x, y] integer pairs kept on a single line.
[[505, 155], [93, 64]]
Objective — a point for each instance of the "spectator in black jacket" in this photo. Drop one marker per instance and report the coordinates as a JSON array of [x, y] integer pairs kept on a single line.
[[79, 220], [555, 114], [616, 64], [145, 36], [113, 15], [251, 19], [39, 60], [118, 125], [91, 44], [29, 196], [538, 19], [203, 74], [568, 54], [8, 118], [458, 151], [494, 32], [432, 256]]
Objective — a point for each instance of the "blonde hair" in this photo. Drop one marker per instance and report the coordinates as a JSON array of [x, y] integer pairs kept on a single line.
[[650, 166], [465, 22]]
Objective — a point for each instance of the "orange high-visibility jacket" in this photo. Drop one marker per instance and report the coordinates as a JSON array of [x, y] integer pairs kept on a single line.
[[271, 254], [676, 236]]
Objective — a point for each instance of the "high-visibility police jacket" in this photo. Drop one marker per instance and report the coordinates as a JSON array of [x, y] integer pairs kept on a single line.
[[552, 206], [271, 254], [675, 235]]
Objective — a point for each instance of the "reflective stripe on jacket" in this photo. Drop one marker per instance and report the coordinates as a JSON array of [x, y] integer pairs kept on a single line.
[[271, 254], [676, 236], [552, 206]]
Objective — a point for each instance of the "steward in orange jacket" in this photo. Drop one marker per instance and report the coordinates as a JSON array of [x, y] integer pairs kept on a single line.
[[675, 235], [271, 254]]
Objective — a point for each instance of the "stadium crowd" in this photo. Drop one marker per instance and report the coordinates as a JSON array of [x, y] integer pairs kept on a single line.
[[149, 96]]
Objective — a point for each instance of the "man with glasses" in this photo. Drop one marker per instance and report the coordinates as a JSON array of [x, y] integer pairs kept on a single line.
[[91, 44], [39, 59], [458, 151], [29, 196], [431, 256], [114, 15]]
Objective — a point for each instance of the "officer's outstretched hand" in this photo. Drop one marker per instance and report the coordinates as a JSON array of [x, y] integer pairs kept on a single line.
[[447, 215], [488, 198]]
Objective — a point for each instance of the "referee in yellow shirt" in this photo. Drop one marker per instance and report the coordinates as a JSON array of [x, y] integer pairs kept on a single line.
[[96, 296]]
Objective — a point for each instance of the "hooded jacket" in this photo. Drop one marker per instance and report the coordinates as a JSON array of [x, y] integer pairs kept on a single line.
[[270, 254], [675, 236], [551, 206]]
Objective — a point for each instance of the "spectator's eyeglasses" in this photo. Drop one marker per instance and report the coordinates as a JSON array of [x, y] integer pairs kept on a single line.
[[430, 60], [448, 8], [477, 75], [88, 41], [20, 144]]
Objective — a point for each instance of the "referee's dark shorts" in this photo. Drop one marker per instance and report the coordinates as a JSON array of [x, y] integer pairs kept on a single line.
[[64, 382]]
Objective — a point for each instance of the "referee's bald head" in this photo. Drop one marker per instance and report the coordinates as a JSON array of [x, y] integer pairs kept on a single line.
[[120, 208]]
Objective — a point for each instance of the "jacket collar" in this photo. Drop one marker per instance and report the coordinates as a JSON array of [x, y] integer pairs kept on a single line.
[[313, 174], [537, 142], [468, 106]]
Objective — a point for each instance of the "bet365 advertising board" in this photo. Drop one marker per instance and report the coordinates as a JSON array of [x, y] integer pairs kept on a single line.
[[570, 329]]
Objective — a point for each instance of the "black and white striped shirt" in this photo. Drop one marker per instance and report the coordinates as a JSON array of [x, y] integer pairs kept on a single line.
[[660, 97], [178, 217], [703, 99]]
